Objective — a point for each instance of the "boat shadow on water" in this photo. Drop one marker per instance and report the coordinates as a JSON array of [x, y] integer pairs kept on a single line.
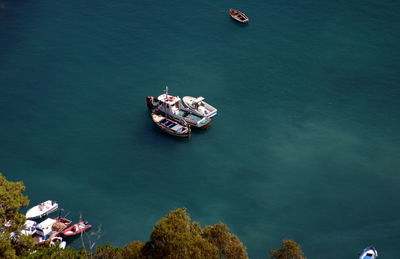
[[238, 24], [72, 239], [164, 134]]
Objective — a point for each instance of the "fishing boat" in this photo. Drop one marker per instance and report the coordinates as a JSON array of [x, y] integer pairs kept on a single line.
[[199, 106], [173, 107], [77, 228], [369, 253], [170, 126], [41, 210], [238, 16]]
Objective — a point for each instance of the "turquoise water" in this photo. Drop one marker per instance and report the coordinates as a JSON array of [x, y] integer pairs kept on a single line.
[[306, 144]]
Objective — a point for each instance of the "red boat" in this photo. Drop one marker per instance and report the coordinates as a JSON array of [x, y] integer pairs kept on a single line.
[[76, 229]]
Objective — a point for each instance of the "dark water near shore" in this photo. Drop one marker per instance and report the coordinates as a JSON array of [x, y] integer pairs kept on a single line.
[[306, 144]]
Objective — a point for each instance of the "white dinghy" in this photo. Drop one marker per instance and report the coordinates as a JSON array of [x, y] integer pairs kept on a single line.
[[58, 242], [369, 253], [199, 106], [42, 210]]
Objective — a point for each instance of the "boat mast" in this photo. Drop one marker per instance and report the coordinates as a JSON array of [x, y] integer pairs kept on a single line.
[[165, 100]]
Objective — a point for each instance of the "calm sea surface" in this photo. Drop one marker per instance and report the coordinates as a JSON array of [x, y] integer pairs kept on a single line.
[[306, 144]]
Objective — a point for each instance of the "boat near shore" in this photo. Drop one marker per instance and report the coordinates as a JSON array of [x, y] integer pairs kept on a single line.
[[58, 242], [50, 228], [41, 210], [30, 228], [76, 229], [238, 16], [369, 253]]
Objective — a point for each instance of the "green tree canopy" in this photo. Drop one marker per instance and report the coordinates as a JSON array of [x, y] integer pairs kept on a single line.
[[133, 250], [178, 237], [12, 221], [11, 201], [289, 250], [228, 245]]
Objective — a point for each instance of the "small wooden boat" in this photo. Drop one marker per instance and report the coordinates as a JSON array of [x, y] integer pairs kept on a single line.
[[199, 106], [77, 228], [369, 253], [41, 210], [170, 126], [238, 16]]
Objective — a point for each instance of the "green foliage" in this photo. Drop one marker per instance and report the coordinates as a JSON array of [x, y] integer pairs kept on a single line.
[[229, 245], [133, 250], [289, 250], [108, 252], [177, 237], [51, 252], [6, 249], [11, 200], [23, 245], [12, 221]]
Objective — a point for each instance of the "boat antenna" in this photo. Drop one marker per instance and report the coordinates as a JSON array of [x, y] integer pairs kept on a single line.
[[165, 100], [166, 92]]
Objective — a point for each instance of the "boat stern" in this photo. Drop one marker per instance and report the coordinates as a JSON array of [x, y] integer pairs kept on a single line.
[[151, 102]]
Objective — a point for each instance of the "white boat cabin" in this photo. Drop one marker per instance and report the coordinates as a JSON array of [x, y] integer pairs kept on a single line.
[[44, 229], [169, 103], [198, 100]]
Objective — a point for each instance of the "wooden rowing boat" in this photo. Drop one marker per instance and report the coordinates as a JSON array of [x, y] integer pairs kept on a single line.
[[238, 16], [170, 126]]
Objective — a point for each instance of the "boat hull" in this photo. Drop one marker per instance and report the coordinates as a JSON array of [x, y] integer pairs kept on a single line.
[[238, 16], [151, 102], [42, 210], [369, 253], [199, 107], [76, 229]]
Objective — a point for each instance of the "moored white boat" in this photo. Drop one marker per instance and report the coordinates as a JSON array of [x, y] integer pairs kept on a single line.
[[42, 210], [369, 253], [199, 106]]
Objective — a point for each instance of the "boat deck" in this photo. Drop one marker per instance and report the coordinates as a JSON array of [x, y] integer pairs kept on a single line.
[[189, 115]]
